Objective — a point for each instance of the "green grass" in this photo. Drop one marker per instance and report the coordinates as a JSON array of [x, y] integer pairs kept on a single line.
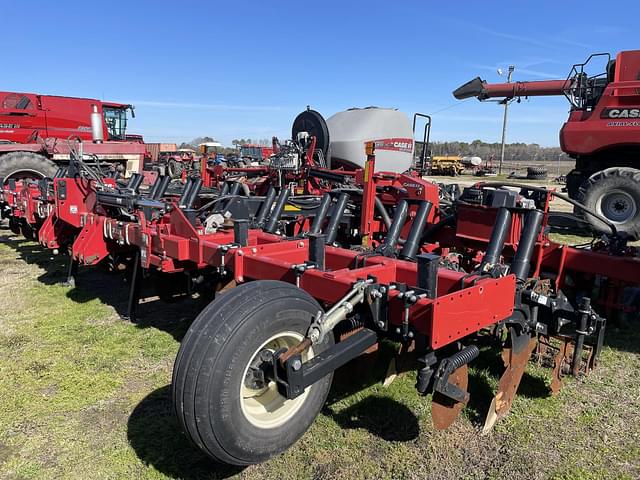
[[570, 239], [84, 394]]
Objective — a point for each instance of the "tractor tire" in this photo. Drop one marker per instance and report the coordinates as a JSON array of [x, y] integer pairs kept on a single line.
[[228, 419], [536, 173], [175, 168], [615, 194], [25, 165]]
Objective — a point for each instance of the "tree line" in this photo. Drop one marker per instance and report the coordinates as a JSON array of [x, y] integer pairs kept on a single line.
[[514, 152], [237, 143]]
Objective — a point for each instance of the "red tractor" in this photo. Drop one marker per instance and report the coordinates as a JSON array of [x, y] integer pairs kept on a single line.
[[39, 132], [255, 153], [602, 133]]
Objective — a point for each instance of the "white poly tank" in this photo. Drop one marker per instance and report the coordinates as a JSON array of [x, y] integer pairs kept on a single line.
[[471, 161], [389, 128]]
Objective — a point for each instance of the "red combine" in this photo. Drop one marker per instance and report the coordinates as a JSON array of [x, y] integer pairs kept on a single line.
[[602, 133], [36, 133]]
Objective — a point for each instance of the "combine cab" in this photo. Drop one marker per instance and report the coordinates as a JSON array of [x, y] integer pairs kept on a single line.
[[38, 133]]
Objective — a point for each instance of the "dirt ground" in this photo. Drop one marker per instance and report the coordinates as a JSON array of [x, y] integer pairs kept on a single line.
[[85, 394]]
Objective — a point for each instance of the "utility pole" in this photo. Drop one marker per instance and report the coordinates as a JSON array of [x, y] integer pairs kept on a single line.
[[504, 121], [559, 156]]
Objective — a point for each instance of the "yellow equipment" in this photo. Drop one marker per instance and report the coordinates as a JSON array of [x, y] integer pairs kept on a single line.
[[446, 165]]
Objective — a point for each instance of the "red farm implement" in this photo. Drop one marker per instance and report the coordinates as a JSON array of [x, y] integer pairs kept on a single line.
[[322, 264]]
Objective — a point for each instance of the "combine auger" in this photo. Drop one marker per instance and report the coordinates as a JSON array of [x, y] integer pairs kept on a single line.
[[306, 283], [602, 133]]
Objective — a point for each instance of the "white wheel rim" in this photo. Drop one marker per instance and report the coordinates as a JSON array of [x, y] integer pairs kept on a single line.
[[265, 407], [618, 206]]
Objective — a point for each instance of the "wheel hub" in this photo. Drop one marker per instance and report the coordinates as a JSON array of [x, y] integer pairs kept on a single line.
[[261, 402], [618, 206]]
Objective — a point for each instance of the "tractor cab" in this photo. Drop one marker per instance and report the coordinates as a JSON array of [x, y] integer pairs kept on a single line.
[[210, 152]]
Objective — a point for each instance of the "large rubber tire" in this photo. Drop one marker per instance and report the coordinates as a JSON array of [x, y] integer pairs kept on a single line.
[[536, 173], [26, 165], [208, 375], [175, 168], [615, 194]]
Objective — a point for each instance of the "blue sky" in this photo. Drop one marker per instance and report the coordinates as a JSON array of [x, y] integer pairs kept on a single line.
[[245, 69]]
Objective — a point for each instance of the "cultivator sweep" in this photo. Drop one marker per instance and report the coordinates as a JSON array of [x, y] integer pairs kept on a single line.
[[318, 266]]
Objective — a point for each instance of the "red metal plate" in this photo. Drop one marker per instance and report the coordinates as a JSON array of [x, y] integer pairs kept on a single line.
[[461, 313]]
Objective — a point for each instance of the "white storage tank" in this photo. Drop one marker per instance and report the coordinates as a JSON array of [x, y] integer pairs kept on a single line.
[[389, 128], [471, 161]]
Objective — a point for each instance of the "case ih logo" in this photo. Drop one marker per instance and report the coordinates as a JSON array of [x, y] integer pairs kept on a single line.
[[395, 144], [9, 125], [632, 112]]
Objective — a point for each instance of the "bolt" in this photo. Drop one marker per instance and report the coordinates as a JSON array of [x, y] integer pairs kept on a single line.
[[254, 250], [300, 244], [266, 355], [296, 365], [383, 290], [240, 253], [314, 335], [380, 324], [398, 330]]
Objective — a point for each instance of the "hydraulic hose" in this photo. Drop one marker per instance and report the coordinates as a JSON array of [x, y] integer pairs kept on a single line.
[[386, 219], [383, 213], [388, 248]]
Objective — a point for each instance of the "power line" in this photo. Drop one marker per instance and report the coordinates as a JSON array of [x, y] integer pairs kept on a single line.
[[460, 102]]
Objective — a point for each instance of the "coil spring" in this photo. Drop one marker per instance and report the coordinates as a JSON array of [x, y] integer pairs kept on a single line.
[[348, 326], [463, 357]]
